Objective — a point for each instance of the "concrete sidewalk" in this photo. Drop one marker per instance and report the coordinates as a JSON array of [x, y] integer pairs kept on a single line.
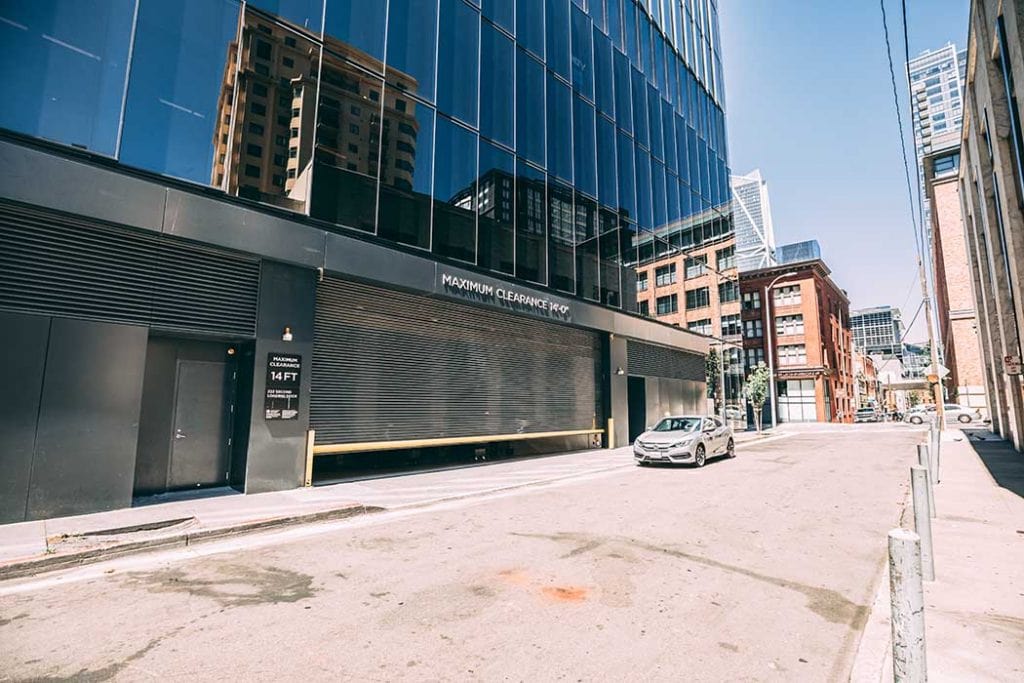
[[974, 610]]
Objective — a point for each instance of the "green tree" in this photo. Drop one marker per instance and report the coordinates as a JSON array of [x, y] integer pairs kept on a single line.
[[712, 370], [756, 390]]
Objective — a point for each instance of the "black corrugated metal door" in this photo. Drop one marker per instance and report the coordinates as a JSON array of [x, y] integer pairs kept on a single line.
[[389, 366]]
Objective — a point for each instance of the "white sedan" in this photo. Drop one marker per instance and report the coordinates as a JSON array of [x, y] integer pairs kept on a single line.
[[685, 439]]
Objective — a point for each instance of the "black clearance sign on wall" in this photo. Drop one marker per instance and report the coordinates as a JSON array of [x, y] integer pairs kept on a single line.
[[284, 373]]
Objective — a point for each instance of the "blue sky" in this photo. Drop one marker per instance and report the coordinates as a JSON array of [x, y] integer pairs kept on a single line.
[[809, 102]]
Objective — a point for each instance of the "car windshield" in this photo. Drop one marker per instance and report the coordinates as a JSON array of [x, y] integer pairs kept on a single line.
[[678, 424], [866, 411]]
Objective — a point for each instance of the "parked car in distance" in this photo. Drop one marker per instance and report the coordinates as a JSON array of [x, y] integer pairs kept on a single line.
[[684, 439], [866, 415], [735, 412], [954, 413]]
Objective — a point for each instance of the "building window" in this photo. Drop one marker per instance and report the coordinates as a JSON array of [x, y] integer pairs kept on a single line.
[[282, 120], [279, 160], [254, 150], [641, 282], [667, 305], [789, 324], [751, 301], [293, 152], [645, 309], [665, 275], [700, 326], [696, 266], [287, 62], [698, 298], [279, 180], [354, 110], [731, 325], [289, 41], [291, 172], [752, 329], [294, 132], [725, 258], [258, 109], [787, 296], [259, 89], [262, 49], [728, 291], [400, 105], [280, 140], [792, 354], [353, 128], [946, 164], [255, 129], [262, 69], [252, 171], [754, 356]]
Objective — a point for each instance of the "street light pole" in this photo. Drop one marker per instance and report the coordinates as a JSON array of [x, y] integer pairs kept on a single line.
[[768, 331]]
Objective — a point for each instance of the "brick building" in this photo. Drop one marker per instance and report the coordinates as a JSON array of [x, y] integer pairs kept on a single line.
[[956, 323], [810, 337], [866, 383]]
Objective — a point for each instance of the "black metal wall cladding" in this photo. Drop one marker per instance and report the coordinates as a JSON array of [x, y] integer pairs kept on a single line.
[[650, 360], [74, 267], [388, 365]]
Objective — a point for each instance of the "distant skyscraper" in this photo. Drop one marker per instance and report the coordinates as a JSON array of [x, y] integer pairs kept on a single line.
[[936, 84], [798, 251], [878, 330], [752, 218]]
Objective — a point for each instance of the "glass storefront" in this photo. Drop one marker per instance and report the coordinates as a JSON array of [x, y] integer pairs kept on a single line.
[[557, 141]]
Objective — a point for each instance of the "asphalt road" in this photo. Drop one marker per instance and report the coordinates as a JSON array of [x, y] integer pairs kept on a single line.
[[757, 568]]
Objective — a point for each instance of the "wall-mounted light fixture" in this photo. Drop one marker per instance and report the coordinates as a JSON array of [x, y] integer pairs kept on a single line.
[[287, 336], [620, 371]]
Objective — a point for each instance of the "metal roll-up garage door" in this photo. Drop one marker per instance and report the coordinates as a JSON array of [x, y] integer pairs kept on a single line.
[[70, 266], [392, 366], [675, 380]]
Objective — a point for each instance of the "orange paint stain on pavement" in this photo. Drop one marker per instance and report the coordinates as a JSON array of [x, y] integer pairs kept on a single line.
[[565, 593]]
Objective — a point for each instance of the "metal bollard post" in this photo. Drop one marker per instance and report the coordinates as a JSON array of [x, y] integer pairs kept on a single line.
[[924, 460], [906, 597], [922, 520], [936, 454]]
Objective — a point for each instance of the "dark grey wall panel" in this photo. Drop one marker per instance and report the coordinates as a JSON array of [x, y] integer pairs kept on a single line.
[[156, 417], [651, 360], [217, 222], [88, 419], [619, 389], [23, 350], [277, 448], [360, 259], [37, 177], [389, 366]]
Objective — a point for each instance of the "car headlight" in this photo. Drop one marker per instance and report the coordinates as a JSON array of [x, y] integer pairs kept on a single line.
[[680, 444]]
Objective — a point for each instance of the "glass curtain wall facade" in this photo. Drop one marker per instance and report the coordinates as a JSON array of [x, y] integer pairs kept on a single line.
[[558, 142]]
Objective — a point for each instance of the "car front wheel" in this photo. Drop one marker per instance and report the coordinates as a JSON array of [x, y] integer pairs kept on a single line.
[[730, 450], [963, 419], [915, 420], [699, 456]]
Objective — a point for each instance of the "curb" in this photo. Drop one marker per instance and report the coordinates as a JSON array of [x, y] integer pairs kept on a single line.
[[51, 563]]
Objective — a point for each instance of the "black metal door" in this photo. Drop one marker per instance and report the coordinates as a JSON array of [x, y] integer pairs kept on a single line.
[[200, 448], [636, 389]]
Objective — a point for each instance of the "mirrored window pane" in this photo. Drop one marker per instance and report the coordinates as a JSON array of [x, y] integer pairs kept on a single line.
[[603, 74], [582, 53], [412, 46], [669, 130], [496, 84], [587, 261], [179, 104], [584, 160], [496, 209], [501, 12], [658, 192], [531, 141], [531, 224], [63, 66], [627, 177], [654, 123], [608, 248], [556, 30], [561, 237], [530, 25], [623, 101], [406, 166], [644, 208], [347, 160], [639, 92], [559, 129], [455, 191], [614, 12], [306, 14], [357, 24], [607, 187], [457, 55]]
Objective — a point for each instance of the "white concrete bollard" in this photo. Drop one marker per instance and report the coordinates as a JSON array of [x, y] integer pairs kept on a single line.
[[936, 455], [906, 596], [924, 460], [922, 520]]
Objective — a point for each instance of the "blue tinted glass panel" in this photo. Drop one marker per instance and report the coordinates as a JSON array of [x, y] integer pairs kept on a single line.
[[455, 191], [405, 188], [561, 240], [496, 209], [556, 31], [669, 129], [177, 78], [587, 263], [672, 198], [623, 103], [63, 69], [559, 129], [531, 224], [358, 24], [644, 28], [307, 14], [496, 82], [645, 216], [627, 178], [530, 139], [597, 13], [607, 187], [659, 201], [582, 53], [584, 147], [615, 22], [604, 74], [629, 30], [412, 46], [654, 123], [501, 12], [684, 163], [639, 92], [530, 25], [457, 54]]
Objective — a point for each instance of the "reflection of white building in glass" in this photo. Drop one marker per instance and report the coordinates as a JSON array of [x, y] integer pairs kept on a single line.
[[752, 220]]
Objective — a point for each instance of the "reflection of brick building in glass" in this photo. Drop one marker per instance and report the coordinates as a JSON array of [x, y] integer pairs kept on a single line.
[[268, 110]]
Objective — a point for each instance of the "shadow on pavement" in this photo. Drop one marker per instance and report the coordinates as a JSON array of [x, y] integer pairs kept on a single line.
[[1004, 464]]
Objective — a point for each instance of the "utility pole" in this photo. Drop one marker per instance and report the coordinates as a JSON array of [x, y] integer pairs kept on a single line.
[[940, 408]]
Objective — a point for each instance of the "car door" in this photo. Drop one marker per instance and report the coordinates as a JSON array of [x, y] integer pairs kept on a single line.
[[712, 435]]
